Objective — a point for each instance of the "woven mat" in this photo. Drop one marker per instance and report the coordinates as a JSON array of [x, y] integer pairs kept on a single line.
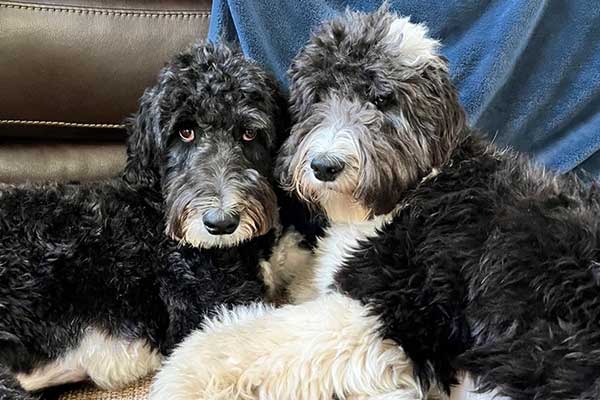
[[137, 391]]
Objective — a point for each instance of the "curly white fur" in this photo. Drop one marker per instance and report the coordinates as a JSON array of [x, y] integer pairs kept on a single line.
[[313, 351]]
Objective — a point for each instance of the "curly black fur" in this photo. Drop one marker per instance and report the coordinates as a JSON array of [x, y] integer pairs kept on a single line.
[[492, 267], [75, 256]]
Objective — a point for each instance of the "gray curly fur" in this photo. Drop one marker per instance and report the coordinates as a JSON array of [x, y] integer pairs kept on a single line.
[[347, 56]]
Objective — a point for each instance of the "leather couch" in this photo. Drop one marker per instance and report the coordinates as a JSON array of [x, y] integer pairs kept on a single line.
[[71, 71]]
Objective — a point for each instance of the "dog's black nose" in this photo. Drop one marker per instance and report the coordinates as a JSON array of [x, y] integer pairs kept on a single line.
[[326, 169], [218, 222]]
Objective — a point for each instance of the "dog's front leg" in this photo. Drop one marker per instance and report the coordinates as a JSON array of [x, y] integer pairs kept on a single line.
[[314, 351]]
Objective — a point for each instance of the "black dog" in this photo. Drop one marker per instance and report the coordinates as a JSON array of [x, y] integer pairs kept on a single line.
[[91, 287]]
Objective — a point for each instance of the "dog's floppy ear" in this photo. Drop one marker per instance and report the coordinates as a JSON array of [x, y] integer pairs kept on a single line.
[[142, 144], [453, 117], [436, 114]]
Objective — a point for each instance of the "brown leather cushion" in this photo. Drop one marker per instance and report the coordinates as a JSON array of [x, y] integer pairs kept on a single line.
[[39, 162], [78, 67]]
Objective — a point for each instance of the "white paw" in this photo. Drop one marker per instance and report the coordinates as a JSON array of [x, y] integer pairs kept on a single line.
[[290, 269]]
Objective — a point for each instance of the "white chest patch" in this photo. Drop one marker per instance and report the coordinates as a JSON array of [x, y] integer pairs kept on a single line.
[[108, 361], [337, 245]]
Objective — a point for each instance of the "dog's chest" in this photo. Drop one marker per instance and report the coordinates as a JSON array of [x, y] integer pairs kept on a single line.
[[339, 244]]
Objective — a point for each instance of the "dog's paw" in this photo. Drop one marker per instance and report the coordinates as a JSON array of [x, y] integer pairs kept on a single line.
[[289, 271]]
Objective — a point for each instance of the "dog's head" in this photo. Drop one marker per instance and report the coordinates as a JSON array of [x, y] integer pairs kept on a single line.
[[206, 134], [374, 112]]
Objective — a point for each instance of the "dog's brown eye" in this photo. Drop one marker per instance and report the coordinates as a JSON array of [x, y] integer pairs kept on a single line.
[[249, 136], [187, 135]]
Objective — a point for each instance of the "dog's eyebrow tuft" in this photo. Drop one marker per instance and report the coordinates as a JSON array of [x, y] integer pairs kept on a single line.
[[259, 121], [253, 117]]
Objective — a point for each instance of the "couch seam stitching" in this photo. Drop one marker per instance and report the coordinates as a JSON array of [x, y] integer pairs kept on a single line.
[[86, 11], [60, 123]]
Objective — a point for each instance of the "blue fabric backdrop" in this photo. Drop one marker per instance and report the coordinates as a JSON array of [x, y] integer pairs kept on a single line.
[[528, 71]]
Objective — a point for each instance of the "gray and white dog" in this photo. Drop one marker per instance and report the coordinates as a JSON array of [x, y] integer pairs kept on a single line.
[[444, 254]]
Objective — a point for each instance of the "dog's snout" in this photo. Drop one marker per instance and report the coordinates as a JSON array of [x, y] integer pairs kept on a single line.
[[326, 169], [218, 222]]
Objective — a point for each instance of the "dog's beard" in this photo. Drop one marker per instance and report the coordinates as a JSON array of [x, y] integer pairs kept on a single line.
[[252, 198], [338, 198], [343, 208]]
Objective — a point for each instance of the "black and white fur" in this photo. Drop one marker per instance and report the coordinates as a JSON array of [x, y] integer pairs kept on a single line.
[[445, 255], [98, 281]]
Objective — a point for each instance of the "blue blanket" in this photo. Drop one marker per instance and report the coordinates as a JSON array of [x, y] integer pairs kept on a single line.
[[528, 71]]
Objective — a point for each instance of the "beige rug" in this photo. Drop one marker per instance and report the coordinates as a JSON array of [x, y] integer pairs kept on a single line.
[[137, 391]]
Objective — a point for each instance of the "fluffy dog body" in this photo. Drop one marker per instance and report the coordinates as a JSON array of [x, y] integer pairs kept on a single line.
[[91, 286], [485, 263], [444, 254]]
